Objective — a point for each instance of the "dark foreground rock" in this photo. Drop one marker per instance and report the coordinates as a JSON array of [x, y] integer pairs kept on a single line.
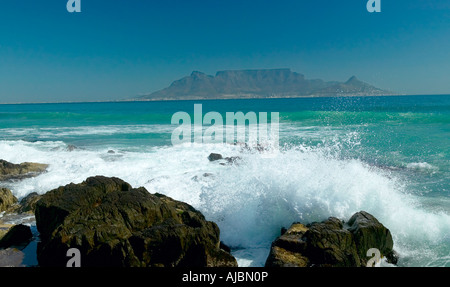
[[11, 171], [368, 233], [4, 228], [18, 236], [331, 244], [113, 224]]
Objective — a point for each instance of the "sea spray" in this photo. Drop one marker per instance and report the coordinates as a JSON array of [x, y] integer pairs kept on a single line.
[[386, 155], [253, 198]]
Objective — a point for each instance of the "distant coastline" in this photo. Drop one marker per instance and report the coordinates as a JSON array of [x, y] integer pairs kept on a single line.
[[267, 98], [260, 83], [217, 99], [249, 85]]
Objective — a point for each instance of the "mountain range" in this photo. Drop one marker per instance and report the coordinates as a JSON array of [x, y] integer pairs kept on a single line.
[[263, 83]]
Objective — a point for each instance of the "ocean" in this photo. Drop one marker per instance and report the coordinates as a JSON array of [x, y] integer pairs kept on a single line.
[[389, 156]]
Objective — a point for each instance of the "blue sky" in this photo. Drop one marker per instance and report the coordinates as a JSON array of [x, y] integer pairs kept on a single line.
[[123, 48]]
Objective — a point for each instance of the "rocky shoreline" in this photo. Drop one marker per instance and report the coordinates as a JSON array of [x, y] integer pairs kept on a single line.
[[332, 243], [11, 171], [113, 224]]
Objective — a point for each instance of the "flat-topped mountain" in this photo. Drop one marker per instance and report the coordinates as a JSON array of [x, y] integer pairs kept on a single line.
[[266, 83]]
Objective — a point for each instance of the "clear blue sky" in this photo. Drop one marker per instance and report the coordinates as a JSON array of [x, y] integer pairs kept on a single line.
[[122, 48]]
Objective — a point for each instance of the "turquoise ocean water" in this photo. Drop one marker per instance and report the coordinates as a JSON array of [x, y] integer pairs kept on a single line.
[[389, 156]]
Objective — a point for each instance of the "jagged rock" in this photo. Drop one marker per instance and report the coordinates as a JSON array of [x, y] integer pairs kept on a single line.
[[7, 199], [113, 224], [287, 249], [331, 243], [18, 235], [368, 232], [71, 147], [10, 171], [228, 160], [214, 157], [28, 203], [231, 160]]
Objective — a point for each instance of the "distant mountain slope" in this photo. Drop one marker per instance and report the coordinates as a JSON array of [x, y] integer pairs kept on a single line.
[[352, 86], [270, 83]]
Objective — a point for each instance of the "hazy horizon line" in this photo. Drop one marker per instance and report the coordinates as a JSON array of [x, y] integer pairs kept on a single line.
[[216, 99]]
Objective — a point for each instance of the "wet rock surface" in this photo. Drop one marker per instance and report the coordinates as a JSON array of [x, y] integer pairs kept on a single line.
[[16, 236], [332, 243], [113, 224], [7, 199], [11, 171]]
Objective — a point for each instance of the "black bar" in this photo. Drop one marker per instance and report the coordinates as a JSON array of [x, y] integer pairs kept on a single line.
[[223, 276]]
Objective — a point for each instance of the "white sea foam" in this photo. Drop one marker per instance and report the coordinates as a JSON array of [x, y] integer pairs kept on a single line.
[[253, 199], [106, 130], [421, 166]]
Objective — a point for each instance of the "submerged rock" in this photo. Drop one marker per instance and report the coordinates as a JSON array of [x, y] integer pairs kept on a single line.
[[11, 257], [228, 160], [113, 224], [231, 160], [11, 171], [331, 244], [71, 147]]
